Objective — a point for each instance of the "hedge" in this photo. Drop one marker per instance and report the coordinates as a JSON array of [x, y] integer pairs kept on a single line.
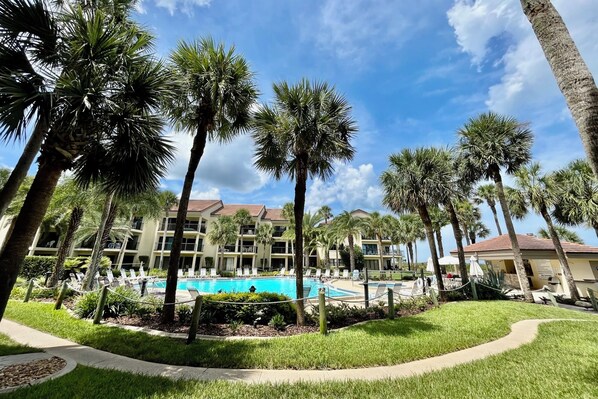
[[261, 314]]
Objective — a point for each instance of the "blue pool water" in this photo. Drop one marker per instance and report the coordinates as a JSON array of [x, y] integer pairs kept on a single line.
[[280, 285]]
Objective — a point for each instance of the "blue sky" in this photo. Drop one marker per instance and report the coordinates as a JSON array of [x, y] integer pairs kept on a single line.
[[413, 74]]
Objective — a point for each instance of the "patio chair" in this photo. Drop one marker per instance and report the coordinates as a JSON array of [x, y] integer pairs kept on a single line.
[[191, 273], [281, 272], [345, 274], [306, 291], [133, 275], [213, 272], [246, 272], [80, 276], [336, 273], [239, 272], [181, 273], [380, 290], [318, 273], [109, 276], [203, 272], [292, 272], [355, 275], [327, 273], [308, 273], [193, 292], [254, 272]]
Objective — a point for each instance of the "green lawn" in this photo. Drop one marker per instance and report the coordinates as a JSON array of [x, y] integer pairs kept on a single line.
[[10, 347], [450, 328], [561, 363]]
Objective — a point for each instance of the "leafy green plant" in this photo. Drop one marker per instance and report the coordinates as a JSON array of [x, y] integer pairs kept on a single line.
[[213, 312], [184, 313], [277, 322], [123, 301], [36, 266], [158, 273], [82, 262], [235, 325]]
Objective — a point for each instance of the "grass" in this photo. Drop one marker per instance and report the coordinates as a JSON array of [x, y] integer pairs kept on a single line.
[[561, 363], [447, 329], [10, 347]]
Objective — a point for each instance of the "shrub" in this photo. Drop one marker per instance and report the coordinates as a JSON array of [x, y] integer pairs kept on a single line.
[[415, 304], [212, 312], [407, 277], [184, 313], [37, 266], [226, 274], [277, 322], [491, 287], [345, 314], [123, 301], [159, 273], [235, 325], [82, 262]]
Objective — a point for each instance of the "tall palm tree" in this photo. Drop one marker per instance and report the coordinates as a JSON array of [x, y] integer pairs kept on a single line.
[[571, 72], [468, 215], [264, 237], [301, 135], [168, 199], [563, 234], [223, 232], [325, 212], [326, 238], [440, 218], [413, 231], [487, 193], [478, 230], [415, 181], [241, 218], [396, 234], [376, 225], [213, 93], [577, 195], [349, 226], [117, 126], [537, 192], [487, 144]]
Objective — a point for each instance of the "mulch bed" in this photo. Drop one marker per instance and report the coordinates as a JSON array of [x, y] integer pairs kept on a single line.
[[25, 373]]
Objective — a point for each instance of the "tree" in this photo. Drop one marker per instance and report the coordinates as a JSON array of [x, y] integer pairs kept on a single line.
[[376, 225], [288, 210], [223, 232], [576, 189], [487, 193], [326, 238], [397, 236], [347, 225], [241, 218], [118, 125], [168, 199], [311, 231], [264, 237], [301, 135], [413, 231], [478, 230], [571, 72], [537, 193], [358, 258], [468, 215], [487, 144], [211, 99], [325, 212], [440, 218], [415, 181]]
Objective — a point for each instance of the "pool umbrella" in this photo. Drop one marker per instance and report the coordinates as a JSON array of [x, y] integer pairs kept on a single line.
[[430, 265], [474, 267]]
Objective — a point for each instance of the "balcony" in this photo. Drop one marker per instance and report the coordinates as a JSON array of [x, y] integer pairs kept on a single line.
[[247, 231], [280, 250], [375, 252], [114, 245], [188, 226], [137, 224], [247, 249], [185, 246]]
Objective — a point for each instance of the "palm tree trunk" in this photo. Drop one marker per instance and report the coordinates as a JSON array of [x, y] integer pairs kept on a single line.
[[425, 216], [459, 239], [351, 252], [571, 72], [164, 238], [513, 237], [199, 144], [595, 227], [66, 245], [465, 232], [410, 254], [493, 209], [416, 257], [560, 254], [337, 254], [298, 209], [27, 222], [96, 253], [380, 255], [438, 234], [472, 237], [221, 257], [18, 174]]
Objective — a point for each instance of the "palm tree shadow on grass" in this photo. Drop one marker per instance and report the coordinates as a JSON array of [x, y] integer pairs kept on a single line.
[[402, 326]]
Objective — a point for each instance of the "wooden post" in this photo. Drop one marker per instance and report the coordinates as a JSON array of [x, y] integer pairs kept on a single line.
[[323, 318], [593, 299], [61, 296], [194, 319], [423, 282], [143, 287], [433, 296], [101, 303], [391, 304], [552, 299], [366, 288], [474, 291], [29, 291]]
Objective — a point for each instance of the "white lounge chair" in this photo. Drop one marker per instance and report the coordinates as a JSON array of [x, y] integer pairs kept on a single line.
[[181, 273], [203, 272], [133, 275], [327, 273], [246, 272], [346, 273], [307, 273], [254, 272], [213, 272], [318, 273], [336, 273], [292, 272], [239, 272], [110, 276], [281, 272], [193, 292], [379, 291], [191, 273]]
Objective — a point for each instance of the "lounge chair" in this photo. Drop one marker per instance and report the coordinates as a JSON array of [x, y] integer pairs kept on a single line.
[[239, 272], [246, 272], [292, 272], [336, 273], [109, 276], [281, 272], [80, 276], [380, 290], [355, 275], [307, 273], [254, 272], [193, 292], [327, 273], [318, 273], [133, 275], [203, 272], [181, 273], [346, 274], [213, 272], [306, 290], [191, 273]]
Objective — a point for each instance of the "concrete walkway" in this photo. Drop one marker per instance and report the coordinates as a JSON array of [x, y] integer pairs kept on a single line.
[[522, 332]]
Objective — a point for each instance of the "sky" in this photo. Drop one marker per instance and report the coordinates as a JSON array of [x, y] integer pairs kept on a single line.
[[413, 75]]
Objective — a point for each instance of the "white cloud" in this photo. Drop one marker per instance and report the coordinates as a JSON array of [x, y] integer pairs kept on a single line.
[[185, 6], [350, 187], [222, 166], [211, 193]]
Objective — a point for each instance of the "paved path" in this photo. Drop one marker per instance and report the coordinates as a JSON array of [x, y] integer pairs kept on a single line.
[[522, 332]]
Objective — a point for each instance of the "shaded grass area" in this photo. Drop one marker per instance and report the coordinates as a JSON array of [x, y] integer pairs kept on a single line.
[[447, 329], [561, 363], [10, 347]]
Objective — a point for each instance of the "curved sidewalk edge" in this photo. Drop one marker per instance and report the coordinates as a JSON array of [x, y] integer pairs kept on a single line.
[[522, 332], [29, 357]]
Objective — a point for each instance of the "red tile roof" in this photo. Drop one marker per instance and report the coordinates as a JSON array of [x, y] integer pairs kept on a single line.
[[198, 205], [274, 214], [526, 243], [229, 210]]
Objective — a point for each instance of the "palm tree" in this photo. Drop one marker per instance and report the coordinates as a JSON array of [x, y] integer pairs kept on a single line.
[[347, 225], [440, 218], [396, 236], [487, 193], [211, 99], [301, 135], [413, 231], [538, 194], [478, 230], [311, 222], [264, 237], [168, 199], [326, 238], [325, 212], [571, 72], [223, 232], [112, 136], [467, 214], [376, 225], [577, 195], [563, 234], [415, 181], [487, 144], [241, 218]]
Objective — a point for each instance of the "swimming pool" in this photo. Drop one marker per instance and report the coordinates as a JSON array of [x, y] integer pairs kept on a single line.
[[280, 285]]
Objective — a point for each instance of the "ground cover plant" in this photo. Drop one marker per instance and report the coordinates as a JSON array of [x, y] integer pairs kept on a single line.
[[526, 373], [385, 342]]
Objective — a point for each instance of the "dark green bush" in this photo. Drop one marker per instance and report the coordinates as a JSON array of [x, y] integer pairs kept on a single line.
[[408, 277], [184, 313], [119, 303], [37, 266], [415, 304], [82, 263], [158, 273], [223, 313], [345, 314], [277, 322]]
